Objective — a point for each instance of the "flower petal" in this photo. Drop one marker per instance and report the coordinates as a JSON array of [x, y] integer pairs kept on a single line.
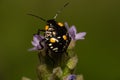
[[72, 32], [66, 25], [33, 49], [34, 43], [80, 35], [39, 47], [37, 39]]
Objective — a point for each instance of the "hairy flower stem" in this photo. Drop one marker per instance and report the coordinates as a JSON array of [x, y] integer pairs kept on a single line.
[[49, 61]]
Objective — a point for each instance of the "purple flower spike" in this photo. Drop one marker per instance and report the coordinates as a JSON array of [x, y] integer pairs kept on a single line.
[[71, 77], [36, 42], [73, 33]]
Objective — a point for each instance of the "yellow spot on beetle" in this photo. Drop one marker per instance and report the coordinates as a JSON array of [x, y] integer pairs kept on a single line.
[[52, 40], [64, 37], [60, 24], [46, 27]]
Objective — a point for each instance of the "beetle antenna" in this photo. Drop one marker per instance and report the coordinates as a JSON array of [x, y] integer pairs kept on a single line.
[[58, 12], [37, 17]]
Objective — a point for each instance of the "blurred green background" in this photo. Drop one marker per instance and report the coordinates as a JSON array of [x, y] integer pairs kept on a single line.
[[99, 53]]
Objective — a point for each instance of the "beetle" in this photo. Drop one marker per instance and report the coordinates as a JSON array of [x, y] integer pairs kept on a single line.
[[56, 35]]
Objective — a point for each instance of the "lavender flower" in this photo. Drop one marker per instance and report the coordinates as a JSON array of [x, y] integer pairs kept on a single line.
[[37, 39], [71, 77], [73, 33]]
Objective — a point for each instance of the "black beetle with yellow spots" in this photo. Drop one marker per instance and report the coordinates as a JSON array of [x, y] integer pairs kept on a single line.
[[56, 36]]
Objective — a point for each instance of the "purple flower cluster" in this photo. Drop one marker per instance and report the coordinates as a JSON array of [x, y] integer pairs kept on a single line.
[[37, 39], [71, 77], [73, 33]]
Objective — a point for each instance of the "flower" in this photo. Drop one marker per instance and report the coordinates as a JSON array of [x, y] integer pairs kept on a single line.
[[73, 33], [71, 77], [37, 39]]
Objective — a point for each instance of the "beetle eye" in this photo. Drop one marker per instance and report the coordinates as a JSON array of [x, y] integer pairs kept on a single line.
[[52, 40], [46, 27], [60, 24]]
